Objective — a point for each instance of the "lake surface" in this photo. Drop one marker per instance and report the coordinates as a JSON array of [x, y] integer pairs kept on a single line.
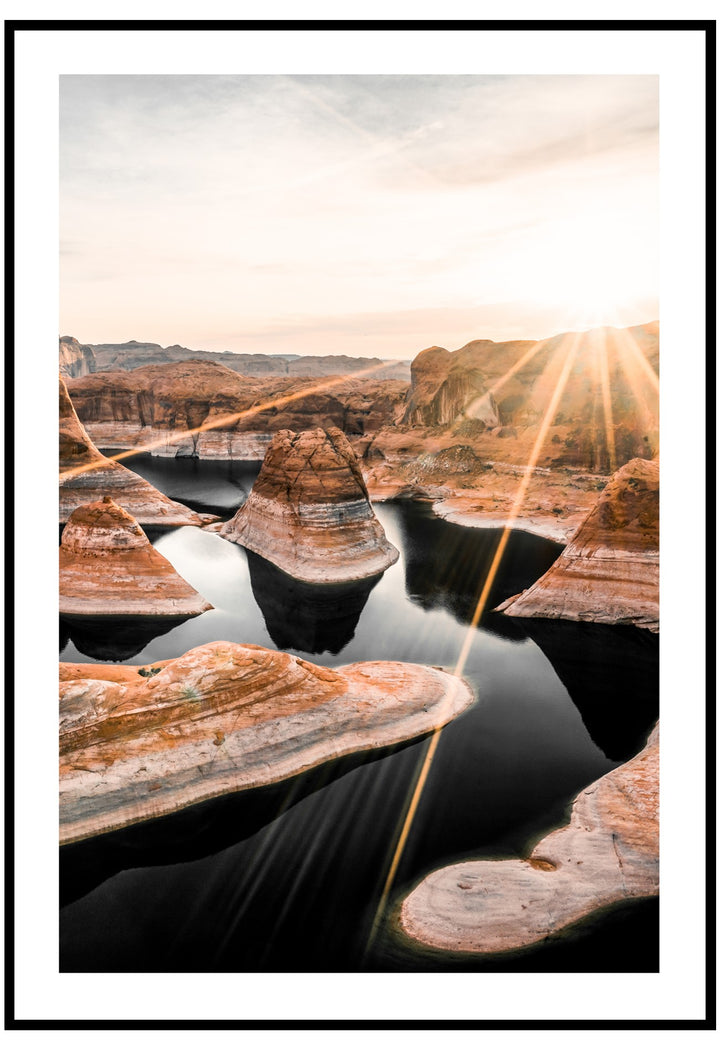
[[289, 878]]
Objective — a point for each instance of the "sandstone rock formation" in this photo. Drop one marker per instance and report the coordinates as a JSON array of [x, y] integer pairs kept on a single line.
[[234, 415], [609, 572], [499, 387], [309, 511], [108, 567], [608, 853], [86, 475], [113, 356], [76, 360], [139, 742]]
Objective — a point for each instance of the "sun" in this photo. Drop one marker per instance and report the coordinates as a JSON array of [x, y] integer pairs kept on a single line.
[[591, 272]]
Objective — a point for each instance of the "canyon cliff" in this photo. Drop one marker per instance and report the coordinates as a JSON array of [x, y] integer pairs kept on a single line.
[[157, 404], [502, 387], [109, 568], [609, 572], [309, 511], [76, 360], [137, 742], [86, 475], [607, 853]]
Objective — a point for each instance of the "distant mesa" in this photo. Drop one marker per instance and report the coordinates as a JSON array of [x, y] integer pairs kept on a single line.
[[123, 356], [109, 568], [86, 475], [609, 572], [137, 742], [608, 853], [305, 617], [309, 511]]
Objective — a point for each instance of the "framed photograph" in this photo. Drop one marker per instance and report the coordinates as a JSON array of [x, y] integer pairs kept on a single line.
[[362, 556]]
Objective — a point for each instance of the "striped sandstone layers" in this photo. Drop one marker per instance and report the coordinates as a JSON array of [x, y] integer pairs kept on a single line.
[[109, 568], [608, 853], [609, 572], [140, 742], [309, 511], [86, 475]]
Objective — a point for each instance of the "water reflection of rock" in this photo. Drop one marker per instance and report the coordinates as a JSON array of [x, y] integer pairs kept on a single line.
[[446, 565], [611, 674], [307, 617], [109, 639]]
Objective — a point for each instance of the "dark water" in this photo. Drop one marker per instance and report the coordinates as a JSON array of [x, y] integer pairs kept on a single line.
[[289, 877]]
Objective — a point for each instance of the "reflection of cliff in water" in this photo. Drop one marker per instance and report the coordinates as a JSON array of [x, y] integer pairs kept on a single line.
[[307, 617], [611, 674], [446, 565], [109, 639]]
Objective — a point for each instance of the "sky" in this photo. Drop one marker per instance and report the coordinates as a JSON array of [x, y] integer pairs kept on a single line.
[[367, 215]]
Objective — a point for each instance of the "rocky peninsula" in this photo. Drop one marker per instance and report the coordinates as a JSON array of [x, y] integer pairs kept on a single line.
[[109, 568], [86, 475], [309, 512], [609, 572], [139, 742], [607, 853]]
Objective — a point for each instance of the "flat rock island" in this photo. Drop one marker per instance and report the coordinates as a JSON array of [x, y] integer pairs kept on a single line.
[[138, 742], [309, 511]]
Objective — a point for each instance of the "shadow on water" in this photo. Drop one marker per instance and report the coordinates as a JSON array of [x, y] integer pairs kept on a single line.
[[305, 617], [612, 674], [204, 485], [446, 566], [201, 830], [108, 639]]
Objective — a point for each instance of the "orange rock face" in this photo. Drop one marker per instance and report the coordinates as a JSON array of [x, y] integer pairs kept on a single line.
[[235, 415], [139, 742], [503, 387], [86, 475], [609, 572], [109, 568], [606, 854], [309, 511]]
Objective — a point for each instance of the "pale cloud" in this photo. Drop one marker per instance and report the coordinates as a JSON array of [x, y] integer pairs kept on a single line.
[[202, 208]]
